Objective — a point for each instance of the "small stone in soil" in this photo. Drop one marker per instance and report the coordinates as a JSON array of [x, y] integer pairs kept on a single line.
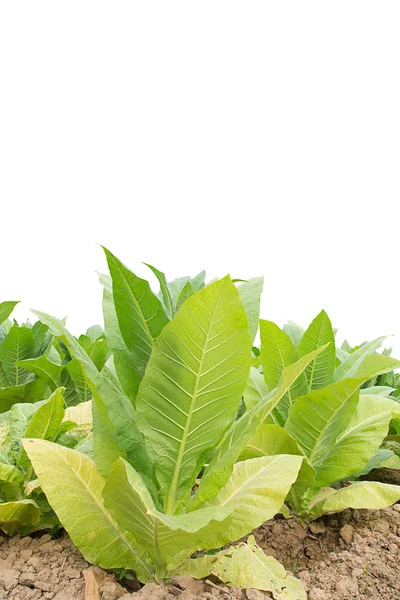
[[347, 533]]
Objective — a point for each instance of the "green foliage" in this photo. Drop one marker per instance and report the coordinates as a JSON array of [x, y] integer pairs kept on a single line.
[[23, 506], [33, 364], [132, 506]]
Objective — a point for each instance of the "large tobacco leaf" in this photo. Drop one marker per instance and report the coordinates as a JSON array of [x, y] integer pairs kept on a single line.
[[192, 386]]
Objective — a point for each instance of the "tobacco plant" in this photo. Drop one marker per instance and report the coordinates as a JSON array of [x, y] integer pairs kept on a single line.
[[327, 416], [160, 418], [23, 506], [32, 364]]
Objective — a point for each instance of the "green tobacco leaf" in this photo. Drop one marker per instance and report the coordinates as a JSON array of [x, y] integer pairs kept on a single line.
[[317, 419], [16, 515], [193, 386], [13, 394], [256, 491], [250, 295], [95, 332], [91, 528], [127, 366], [351, 364], [294, 331], [379, 459], [140, 314], [223, 458], [363, 494], [41, 337], [17, 345], [114, 408], [83, 390], [105, 446], [45, 423], [166, 296], [372, 365], [391, 463], [246, 566], [185, 293], [44, 368], [320, 371], [198, 282], [256, 389], [378, 390], [269, 440], [354, 447], [6, 309], [278, 352]]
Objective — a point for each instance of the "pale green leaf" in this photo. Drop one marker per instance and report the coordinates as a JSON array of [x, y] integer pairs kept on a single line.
[[14, 516], [269, 440], [246, 566], [193, 386], [166, 296], [294, 331], [90, 526], [363, 494], [250, 295], [256, 389], [352, 362]]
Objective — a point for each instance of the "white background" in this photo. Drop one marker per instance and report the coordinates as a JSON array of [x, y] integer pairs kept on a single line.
[[243, 137]]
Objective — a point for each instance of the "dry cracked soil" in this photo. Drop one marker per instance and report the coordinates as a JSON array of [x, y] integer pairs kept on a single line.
[[354, 554]]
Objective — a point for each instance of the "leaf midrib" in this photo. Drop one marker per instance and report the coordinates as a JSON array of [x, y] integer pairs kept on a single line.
[[170, 501]]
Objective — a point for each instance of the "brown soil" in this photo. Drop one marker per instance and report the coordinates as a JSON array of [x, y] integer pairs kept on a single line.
[[353, 555]]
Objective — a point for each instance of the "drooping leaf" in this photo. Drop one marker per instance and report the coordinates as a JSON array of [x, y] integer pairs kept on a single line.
[[320, 371], [91, 528], [17, 345], [250, 295], [246, 566], [363, 494], [16, 515], [193, 386]]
